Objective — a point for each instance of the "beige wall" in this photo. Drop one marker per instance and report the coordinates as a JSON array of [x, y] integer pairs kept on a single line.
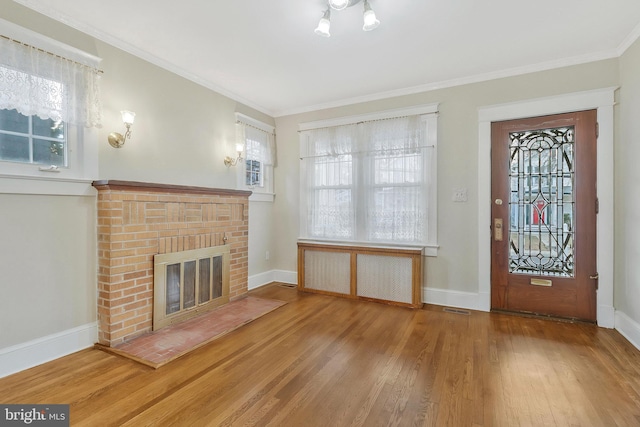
[[181, 134], [48, 265], [455, 268], [627, 176]]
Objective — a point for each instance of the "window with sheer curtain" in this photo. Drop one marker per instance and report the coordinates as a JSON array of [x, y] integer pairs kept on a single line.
[[47, 100], [370, 181], [256, 170]]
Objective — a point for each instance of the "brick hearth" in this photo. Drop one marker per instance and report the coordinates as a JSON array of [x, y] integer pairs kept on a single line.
[[139, 220]]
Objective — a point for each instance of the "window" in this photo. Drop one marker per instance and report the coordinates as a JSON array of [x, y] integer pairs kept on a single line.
[[256, 172], [371, 179], [49, 107], [30, 139]]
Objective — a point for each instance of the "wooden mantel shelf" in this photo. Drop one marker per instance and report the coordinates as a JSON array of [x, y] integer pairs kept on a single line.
[[166, 188]]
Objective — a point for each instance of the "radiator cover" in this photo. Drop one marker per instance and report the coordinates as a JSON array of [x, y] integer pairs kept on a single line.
[[386, 274]]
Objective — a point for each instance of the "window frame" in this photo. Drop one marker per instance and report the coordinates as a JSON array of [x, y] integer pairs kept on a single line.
[[429, 115], [259, 193], [82, 142]]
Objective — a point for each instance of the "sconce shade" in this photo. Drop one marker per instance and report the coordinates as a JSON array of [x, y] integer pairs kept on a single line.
[[128, 117]]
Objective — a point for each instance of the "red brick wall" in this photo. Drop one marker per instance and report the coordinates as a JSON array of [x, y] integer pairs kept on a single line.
[[137, 221]]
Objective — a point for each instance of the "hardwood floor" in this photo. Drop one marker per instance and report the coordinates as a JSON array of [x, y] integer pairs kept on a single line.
[[325, 361]]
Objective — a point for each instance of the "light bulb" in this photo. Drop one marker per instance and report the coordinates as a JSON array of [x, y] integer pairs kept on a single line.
[[370, 20], [324, 24], [128, 117]]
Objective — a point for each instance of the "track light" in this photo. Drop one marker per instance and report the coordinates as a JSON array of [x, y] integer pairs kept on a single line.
[[369, 16], [370, 20], [324, 24]]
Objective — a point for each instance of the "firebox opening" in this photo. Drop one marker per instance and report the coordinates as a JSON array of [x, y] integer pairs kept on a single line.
[[189, 283]]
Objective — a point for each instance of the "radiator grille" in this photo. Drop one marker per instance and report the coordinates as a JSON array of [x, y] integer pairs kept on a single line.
[[387, 274], [385, 277], [328, 271]]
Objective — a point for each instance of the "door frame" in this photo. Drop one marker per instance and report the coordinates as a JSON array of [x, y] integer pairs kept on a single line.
[[602, 100]]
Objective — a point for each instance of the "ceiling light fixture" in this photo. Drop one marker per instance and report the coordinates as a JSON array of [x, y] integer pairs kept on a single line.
[[369, 16]]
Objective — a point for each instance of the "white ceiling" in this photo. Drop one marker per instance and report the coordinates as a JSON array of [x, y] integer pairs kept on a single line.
[[265, 53]]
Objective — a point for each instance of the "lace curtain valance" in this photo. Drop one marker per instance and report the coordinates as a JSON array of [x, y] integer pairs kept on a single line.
[[259, 144], [402, 135], [35, 82]]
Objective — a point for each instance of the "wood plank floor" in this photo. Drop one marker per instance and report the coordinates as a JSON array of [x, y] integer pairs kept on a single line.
[[325, 361]]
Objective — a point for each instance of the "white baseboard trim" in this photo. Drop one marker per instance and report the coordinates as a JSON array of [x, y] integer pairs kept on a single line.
[[606, 316], [262, 279], [457, 299], [629, 328], [36, 352]]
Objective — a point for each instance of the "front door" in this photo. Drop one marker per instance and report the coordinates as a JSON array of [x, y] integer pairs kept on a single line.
[[544, 206]]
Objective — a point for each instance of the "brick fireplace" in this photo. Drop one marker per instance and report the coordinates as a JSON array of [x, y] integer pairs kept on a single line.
[[139, 220]]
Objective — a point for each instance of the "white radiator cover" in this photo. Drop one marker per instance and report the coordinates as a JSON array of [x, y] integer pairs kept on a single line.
[[384, 277], [328, 271], [387, 274]]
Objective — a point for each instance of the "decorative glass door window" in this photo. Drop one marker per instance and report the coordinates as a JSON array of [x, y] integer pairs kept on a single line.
[[542, 202]]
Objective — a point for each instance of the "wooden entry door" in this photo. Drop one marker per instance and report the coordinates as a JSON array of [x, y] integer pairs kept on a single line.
[[544, 206]]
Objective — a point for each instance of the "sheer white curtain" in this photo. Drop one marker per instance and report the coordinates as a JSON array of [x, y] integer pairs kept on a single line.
[[35, 82], [330, 181], [258, 144], [367, 181], [394, 181]]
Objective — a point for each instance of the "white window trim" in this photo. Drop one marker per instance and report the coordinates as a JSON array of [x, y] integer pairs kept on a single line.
[[259, 194], [430, 113], [22, 178]]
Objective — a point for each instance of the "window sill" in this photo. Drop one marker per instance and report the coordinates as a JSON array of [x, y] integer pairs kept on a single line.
[[262, 197], [19, 184], [429, 250]]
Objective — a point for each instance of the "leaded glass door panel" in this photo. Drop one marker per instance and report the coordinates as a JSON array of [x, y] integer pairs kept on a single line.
[[544, 215]]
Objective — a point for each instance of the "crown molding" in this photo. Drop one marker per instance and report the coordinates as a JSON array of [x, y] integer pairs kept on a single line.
[[133, 50], [478, 78], [629, 40]]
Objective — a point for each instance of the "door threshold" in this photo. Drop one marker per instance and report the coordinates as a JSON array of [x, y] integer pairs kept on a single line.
[[543, 316]]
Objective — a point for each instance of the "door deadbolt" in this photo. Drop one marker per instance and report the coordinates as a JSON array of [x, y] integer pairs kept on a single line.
[[497, 229]]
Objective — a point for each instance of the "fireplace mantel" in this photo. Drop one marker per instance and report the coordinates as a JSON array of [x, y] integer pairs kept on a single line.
[[166, 188], [138, 220]]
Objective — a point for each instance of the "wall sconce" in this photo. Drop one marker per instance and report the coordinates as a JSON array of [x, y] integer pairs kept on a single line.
[[228, 161], [117, 140]]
